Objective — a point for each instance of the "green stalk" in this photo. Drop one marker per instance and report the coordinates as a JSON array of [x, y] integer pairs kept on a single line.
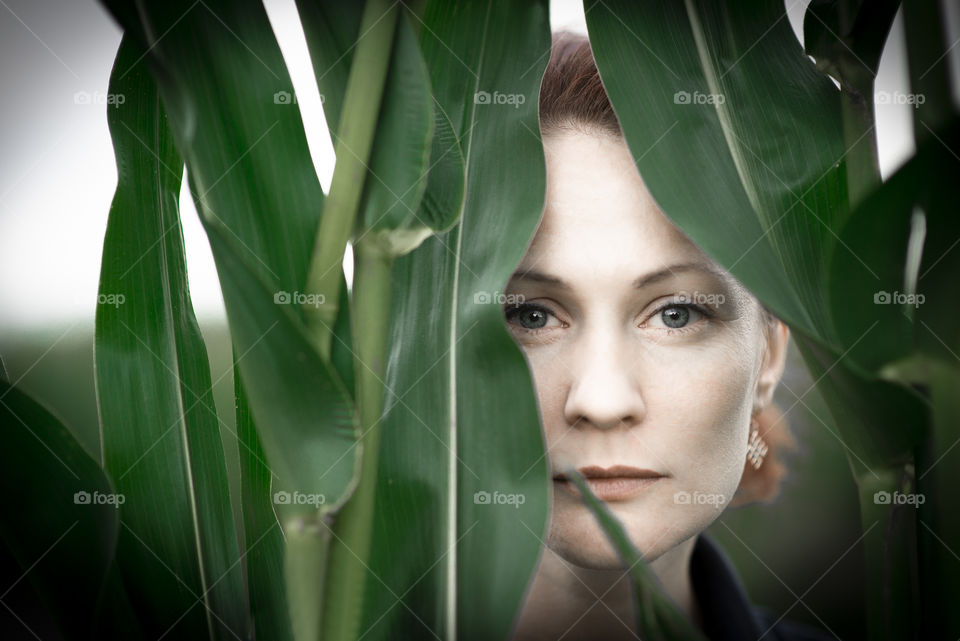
[[860, 137], [350, 550], [939, 527], [892, 603], [358, 122], [938, 524], [307, 543], [929, 66]]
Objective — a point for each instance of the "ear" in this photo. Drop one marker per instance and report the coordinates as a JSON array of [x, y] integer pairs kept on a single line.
[[773, 363]]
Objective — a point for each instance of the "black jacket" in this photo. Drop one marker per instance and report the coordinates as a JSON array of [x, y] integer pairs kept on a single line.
[[725, 607]]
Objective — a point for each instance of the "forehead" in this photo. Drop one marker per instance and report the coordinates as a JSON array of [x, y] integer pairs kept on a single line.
[[599, 214]]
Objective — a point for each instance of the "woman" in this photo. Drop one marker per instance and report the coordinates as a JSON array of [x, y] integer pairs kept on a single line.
[[655, 371]]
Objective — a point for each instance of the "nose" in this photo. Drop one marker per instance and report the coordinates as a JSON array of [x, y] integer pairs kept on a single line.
[[605, 389]]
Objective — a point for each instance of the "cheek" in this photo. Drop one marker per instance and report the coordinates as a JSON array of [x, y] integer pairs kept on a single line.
[[550, 378], [698, 402]]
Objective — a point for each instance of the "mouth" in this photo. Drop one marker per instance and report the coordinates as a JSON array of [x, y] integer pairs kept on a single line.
[[615, 483]]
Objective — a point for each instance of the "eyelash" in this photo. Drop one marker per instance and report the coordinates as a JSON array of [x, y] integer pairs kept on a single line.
[[511, 312]]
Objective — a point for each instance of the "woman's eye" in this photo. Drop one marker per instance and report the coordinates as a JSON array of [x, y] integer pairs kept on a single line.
[[677, 316], [527, 316]]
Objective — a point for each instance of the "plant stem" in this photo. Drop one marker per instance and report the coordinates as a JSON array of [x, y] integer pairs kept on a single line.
[[929, 67], [938, 523], [892, 607], [304, 560], [350, 552], [860, 138], [354, 139]]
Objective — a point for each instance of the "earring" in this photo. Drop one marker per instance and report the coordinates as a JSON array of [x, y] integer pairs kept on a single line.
[[756, 448]]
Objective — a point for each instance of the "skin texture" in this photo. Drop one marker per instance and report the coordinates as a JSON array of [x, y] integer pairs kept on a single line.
[[625, 376]]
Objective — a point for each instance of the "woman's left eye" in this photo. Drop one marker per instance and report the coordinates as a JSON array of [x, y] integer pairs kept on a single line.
[[677, 316]]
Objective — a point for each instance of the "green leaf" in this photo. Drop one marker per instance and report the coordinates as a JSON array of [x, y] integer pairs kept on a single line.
[[906, 232], [460, 412], [737, 136], [263, 536], [159, 428], [305, 416], [416, 181], [222, 79], [61, 522], [398, 162], [656, 615]]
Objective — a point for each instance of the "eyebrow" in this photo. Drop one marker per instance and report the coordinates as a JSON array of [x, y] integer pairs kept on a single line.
[[641, 282]]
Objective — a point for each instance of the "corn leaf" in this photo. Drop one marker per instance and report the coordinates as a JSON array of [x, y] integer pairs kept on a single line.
[[61, 522], [159, 427]]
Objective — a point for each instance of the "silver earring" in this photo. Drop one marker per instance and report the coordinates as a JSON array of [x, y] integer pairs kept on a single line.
[[757, 447]]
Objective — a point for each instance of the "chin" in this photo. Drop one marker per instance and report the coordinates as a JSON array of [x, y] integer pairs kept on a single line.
[[576, 536]]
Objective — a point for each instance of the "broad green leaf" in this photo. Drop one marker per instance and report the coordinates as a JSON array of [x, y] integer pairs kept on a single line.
[[737, 136], [229, 97], [61, 521], [230, 102], [460, 413], [656, 615], [159, 427], [295, 397], [906, 233]]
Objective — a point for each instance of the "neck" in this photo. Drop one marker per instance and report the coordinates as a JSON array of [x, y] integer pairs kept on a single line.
[[575, 603]]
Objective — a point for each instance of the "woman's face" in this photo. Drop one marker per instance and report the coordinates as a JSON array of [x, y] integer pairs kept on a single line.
[[644, 354]]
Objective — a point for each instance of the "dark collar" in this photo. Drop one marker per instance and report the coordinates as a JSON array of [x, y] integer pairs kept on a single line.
[[724, 605]]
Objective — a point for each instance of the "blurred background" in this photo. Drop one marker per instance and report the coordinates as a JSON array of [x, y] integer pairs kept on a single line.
[[800, 557]]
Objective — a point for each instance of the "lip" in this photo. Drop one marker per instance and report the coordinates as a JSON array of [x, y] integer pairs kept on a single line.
[[614, 483]]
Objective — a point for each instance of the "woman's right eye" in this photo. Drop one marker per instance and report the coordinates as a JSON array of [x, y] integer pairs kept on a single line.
[[527, 316]]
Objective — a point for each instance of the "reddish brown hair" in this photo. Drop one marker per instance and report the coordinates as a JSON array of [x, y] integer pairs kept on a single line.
[[573, 98], [571, 93]]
